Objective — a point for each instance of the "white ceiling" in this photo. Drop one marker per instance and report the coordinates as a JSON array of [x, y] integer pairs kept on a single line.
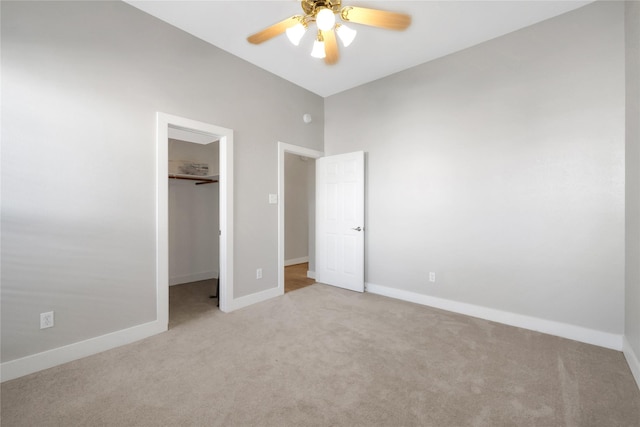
[[438, 28]]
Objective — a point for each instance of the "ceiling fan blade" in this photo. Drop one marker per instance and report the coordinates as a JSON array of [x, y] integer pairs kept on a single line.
[[330, 47], [274, 30], [376, 18]]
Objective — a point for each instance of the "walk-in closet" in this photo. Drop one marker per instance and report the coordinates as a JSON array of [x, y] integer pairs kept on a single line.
[[193, 225]]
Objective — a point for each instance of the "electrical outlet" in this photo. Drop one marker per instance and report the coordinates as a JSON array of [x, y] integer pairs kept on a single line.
[[46, 320], [432, 277], [259, 273]]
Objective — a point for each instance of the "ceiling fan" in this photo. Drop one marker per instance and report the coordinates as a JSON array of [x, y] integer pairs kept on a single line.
[[323, 13]]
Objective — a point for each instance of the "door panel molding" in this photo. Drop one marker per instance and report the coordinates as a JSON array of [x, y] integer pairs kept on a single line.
[[340, 221]]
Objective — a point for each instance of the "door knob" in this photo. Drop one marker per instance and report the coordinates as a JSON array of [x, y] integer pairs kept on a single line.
[[357, 229]]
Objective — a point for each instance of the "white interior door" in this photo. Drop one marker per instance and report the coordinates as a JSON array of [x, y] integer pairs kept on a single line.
[[340, 220]]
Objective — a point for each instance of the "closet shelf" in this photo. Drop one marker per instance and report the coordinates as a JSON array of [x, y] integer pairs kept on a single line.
[[201, 179]]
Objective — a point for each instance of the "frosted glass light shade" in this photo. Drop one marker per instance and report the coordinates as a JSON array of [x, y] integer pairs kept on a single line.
[[318, 49], [295, 33], [325, 19], [345, 34]]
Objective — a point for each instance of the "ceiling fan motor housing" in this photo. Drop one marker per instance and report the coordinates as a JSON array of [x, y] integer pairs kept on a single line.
[[311, 7]]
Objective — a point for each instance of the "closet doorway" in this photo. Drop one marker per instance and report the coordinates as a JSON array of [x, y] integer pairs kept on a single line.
[[299, 214], [201, 176], [193, 224], [296, 216]]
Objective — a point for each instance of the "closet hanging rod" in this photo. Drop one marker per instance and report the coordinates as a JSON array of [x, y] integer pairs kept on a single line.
[[194, 178]]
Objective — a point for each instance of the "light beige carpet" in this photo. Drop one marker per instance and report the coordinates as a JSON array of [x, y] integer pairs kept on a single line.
[[321, 356]]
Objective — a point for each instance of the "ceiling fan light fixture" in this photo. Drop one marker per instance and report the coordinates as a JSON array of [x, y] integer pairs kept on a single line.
[[296, 32], [345, 34], [318, 48], [325, 19], [330, 28]]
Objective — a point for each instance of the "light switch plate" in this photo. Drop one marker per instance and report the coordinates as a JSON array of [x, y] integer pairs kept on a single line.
[[273, 199]]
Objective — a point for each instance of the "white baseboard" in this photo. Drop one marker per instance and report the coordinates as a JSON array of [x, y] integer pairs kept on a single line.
[[564, 330], [57, 356], [245, 301], [47, 359], [188, 278], [632, 360], [68, 353], [294, 261], [311, 274]]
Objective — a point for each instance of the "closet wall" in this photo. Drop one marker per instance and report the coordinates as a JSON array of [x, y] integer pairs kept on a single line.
[[193, 216], [299, 191]]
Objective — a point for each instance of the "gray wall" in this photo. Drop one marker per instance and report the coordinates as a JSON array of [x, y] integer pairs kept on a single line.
[[194, 216], [81, 84], [500, 168], [632, 297], [296, 212]]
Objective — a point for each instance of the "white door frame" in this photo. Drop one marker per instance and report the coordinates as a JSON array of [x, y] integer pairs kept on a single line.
[[225, 180], [301, 151]]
